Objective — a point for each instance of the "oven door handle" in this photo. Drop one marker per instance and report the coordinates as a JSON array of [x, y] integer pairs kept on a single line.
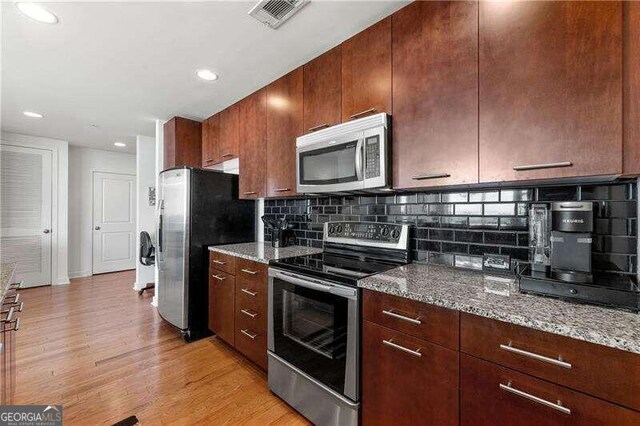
[[310, 283], [359, 159]]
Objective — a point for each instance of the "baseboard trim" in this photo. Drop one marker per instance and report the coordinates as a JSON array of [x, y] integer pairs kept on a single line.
[[80, 274]]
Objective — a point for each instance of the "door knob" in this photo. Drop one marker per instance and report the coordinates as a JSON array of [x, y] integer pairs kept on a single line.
[[46, 231], [97, 228]]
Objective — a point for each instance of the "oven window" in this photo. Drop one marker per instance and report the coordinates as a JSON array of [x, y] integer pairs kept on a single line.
[[334, 164]]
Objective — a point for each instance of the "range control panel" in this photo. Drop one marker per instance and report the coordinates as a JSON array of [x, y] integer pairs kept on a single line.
[[382, 232]]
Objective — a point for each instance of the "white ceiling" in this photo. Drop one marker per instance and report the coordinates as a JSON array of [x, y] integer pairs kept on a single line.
[[122, 65]]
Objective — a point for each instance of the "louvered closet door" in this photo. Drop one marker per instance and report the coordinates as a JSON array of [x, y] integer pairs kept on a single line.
[[25, 212]]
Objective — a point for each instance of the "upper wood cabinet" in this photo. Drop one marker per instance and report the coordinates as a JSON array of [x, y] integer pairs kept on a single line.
[[631, 91], [284, 125], [229, 133], [435, 94], [252, 117], [323, 91], [366, 72], [211, 141], [182, 143], [550, 89]]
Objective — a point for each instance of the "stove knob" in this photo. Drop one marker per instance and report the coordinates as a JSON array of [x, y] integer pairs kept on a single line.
[[385, 231], [339, 229], [395, 233], [332, 229]]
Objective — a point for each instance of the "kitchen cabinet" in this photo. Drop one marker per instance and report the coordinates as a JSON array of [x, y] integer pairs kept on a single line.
[[221, 304], [211, 141], [252, 117], [284, 125], [323, 91], [366, 72], [550, 89], [435, 94], [182, 143], [631, 90], [229, 128]]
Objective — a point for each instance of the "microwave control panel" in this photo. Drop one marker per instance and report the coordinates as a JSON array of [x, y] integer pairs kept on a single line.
[[372, 157], [383, 232]]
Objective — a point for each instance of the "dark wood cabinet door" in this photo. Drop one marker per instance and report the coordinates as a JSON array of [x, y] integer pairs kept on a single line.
[[222, 305], [284, 125], [550, 89], [211, 141], [494, 395], [182, 143], [366, 72], [631, 88], [229, 133], [252, 116], [407, 388], [323, 91], [435, 94]]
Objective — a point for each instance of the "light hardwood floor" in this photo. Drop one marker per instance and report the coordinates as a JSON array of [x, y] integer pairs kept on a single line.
[[104, 353]]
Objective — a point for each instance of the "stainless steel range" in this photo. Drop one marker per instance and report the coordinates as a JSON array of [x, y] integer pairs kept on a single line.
[[314, 318]]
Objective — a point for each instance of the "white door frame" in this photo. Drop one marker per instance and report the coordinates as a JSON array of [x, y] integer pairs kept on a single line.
[[93, 219], [59, 198]]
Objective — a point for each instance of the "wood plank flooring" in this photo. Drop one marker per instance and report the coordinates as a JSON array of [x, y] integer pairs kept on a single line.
[[104, 353]]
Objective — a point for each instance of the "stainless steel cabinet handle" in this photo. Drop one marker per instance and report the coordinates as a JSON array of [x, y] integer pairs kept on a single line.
[[15, 286], [46, 231], [559, 362], [13, 299], [282, 189], [249, 313], [248, 271], [250, 193], [542, 166], [401, 317], [534, 398], [16, 324], [425, 176], [219, 262], [249, 335], [250, 293], [218, 277], [321, 126], [358, 114], [9, 317], [227, 155], [415, 353]]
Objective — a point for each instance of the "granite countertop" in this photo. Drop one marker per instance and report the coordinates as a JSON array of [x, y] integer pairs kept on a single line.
[[6, 275], [498, 298], [263, 252]]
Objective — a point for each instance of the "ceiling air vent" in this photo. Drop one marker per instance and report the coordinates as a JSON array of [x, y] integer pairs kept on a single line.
[[273, 13]]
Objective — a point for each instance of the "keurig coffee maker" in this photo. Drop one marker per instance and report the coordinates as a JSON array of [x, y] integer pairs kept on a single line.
[[571, 228]]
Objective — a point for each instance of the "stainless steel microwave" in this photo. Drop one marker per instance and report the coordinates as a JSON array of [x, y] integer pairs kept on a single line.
[[351, 156]]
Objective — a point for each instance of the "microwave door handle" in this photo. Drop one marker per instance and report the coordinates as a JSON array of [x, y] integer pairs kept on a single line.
[[359, 160]]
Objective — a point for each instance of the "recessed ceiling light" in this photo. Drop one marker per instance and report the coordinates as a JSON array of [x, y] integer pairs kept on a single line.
[[37, 13], [33, 114], [120, 144], [207, 75]]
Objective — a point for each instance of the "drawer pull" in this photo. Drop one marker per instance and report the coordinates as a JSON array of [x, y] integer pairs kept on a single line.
[[218, 277], [415, 353], [559, 362], [249, 335], [402, 317], [250, 193], [13, 299], [361, 113], [227, 155], [425, 176], [525, 167], [282, 189], [534, 398], [9, 317], [249, 313], [321, 126], [219, 262], [249, 292], [249, 271]]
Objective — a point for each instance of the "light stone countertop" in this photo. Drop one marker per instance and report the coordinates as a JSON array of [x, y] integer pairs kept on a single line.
[[498, 298], [263, 252]]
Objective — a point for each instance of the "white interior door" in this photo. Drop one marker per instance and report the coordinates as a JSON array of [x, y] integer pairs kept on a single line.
[[114, 221], [25, 212]]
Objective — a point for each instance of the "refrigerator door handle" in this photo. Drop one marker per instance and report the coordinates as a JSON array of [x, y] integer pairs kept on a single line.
[[160, 219]]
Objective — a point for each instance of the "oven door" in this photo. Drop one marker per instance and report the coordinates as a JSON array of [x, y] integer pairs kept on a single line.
[[332, 165], [314, 325]]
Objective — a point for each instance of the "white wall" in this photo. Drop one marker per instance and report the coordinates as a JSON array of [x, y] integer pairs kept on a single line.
[[82, 163], [60, 154], [145, 217], [159, 167]]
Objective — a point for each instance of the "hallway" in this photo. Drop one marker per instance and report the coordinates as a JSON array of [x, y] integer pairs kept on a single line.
[[99, 349]]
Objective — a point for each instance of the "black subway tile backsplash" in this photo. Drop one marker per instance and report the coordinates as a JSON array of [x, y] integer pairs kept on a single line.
[[458, 227]]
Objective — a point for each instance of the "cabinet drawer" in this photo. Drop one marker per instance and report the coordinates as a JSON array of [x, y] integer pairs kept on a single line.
[[252, 308], [431, 323], [604, 372], [251, 270], [491, 394], [221, 305], [250, 342], [222, 262], [407, 380]]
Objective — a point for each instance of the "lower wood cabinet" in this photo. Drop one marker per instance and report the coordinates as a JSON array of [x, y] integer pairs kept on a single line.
[[493, 395], [407, 381], [221, 304]]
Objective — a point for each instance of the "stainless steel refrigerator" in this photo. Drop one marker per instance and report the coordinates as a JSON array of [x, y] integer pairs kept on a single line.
[[196, 208]]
